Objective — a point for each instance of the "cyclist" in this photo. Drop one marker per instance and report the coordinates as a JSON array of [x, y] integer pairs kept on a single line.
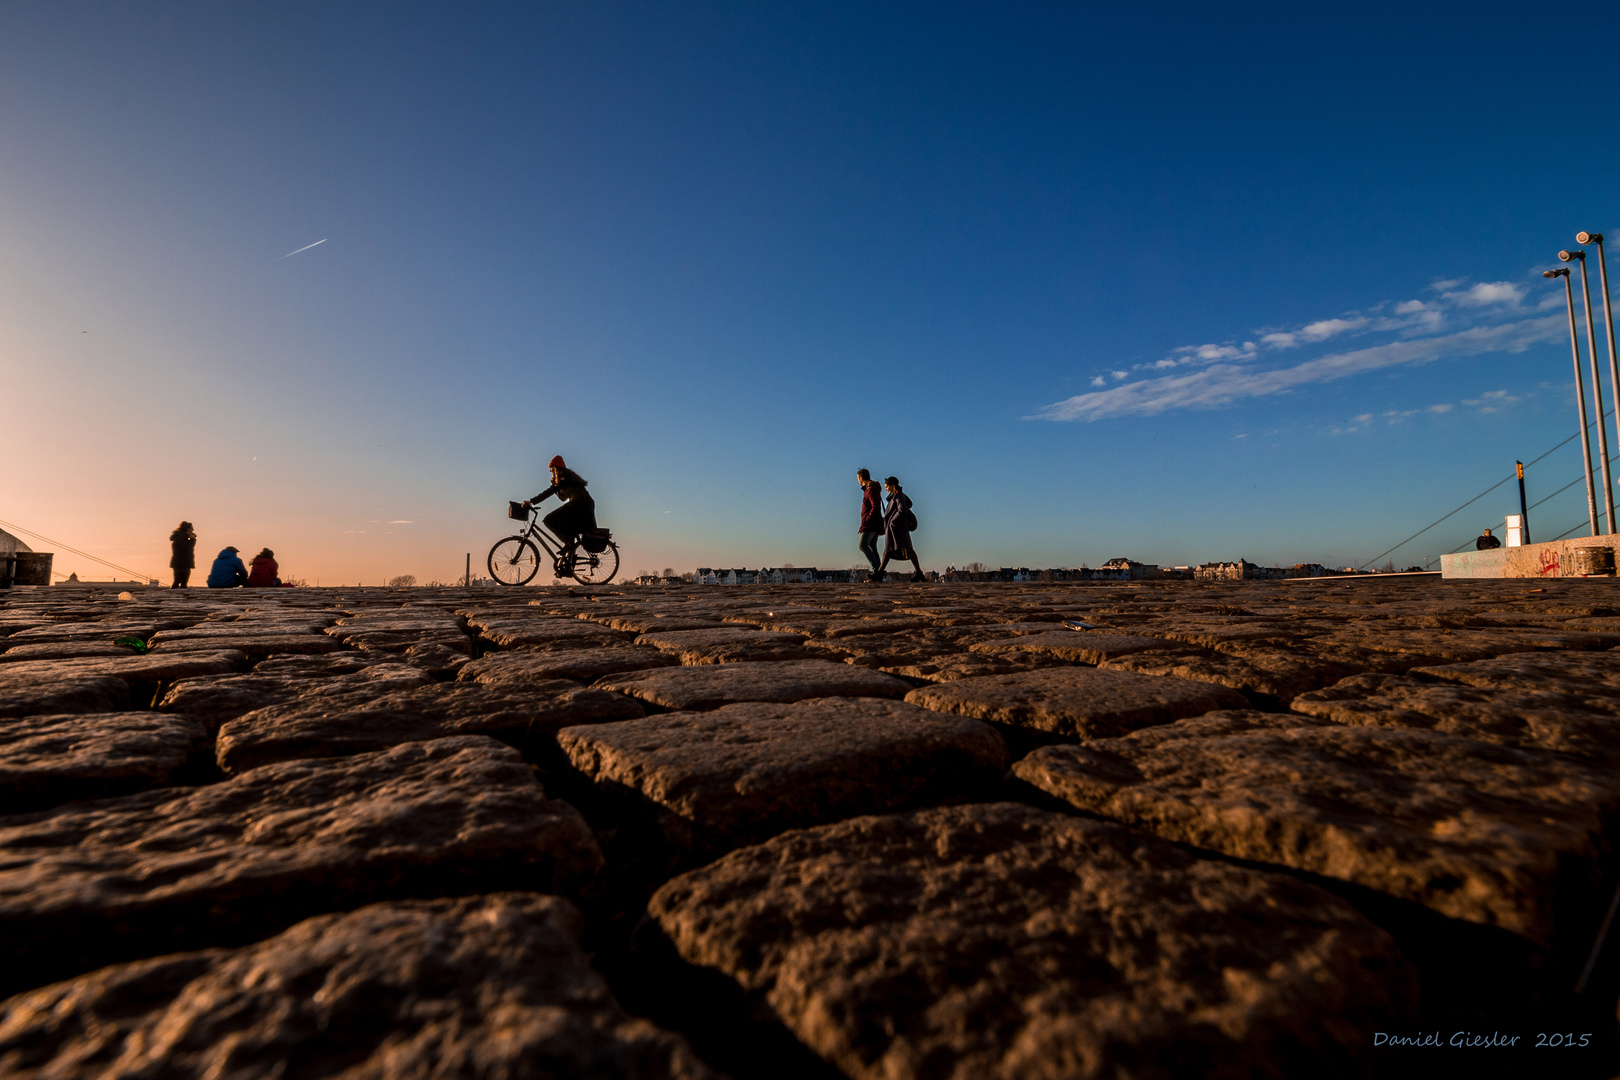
[[577, 514]]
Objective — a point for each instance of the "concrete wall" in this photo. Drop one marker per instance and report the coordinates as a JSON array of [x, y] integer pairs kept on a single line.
[[1530, 561]]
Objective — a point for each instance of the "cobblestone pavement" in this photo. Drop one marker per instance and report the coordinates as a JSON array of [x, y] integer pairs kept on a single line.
[[1238, 830]]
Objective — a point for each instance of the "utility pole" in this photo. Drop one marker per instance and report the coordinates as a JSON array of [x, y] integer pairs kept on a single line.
[[467, 580], [1608, 317], [1580, 395], [1597, 391], [1524, 512]]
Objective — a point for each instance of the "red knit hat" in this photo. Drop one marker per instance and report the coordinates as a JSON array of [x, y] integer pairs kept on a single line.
[[557, 462]]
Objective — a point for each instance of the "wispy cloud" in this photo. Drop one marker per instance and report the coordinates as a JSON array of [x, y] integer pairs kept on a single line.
[[1487, 293], [1223, 384], [402, 523], [306, 247], [1461, 319]]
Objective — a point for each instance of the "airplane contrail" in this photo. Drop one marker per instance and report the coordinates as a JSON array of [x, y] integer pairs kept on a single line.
[[306, 247]]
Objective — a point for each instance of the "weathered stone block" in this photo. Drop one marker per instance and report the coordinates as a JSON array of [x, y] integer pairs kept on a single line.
[[1082, 648], [488, 986], [1076, 702], [742, 773], [47, 760], [1561, 720], [1492, 835], [89, 884], [728, 645], [713, 685], [547, 665], [1000, 940], [355, 718]]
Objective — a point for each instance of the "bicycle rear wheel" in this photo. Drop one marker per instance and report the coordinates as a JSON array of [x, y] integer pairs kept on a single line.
[[514, 561], [596, 569]]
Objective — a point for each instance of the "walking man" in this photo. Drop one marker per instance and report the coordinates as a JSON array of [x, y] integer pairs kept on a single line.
[[871, 516]]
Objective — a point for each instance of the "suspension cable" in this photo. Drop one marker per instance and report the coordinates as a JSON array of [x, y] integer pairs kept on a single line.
[[1487, 491], [82, 554]]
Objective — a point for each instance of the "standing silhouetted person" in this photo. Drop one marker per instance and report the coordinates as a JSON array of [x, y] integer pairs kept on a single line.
[[1486, 541], [263, 574], [578, 511], [227, 571], [183, 541], [898, 522], [871, 516]]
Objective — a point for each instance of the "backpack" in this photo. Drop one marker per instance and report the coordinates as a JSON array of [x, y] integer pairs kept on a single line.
[[909, 520]]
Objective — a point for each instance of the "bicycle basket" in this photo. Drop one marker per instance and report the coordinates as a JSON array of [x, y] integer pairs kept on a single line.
[[595, 541], [516, 511]]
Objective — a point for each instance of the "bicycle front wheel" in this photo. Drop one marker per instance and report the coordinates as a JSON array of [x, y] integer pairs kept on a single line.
[[596, 569], [514, 561]]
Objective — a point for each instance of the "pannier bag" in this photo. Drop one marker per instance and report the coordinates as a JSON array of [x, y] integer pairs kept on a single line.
[[595, 541], [515, 511]]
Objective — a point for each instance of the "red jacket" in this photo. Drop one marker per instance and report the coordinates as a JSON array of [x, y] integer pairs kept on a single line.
[[263, 573], [872, 508]]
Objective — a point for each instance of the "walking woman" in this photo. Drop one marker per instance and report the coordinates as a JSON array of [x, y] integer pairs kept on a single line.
[[183, 541], [897, 525]]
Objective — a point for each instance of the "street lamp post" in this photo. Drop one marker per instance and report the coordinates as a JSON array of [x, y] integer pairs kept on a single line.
[[1580, 395], [1597, 390], [1608, 317]]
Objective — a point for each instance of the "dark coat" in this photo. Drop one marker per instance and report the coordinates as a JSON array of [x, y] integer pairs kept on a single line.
[[184, 545], [264, 573], [872, 507], [570, 488], [896, 537], [227, 571], [1487, 543]]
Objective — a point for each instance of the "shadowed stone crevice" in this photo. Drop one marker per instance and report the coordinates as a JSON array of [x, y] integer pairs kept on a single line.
[[727, 1027]]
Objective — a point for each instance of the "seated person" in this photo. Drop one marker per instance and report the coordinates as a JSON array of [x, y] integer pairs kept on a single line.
[[227, 571], [1486, 541], [263, 574], [577, 514]]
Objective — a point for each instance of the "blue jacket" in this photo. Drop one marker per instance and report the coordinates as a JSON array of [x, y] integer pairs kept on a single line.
[[228, 571]]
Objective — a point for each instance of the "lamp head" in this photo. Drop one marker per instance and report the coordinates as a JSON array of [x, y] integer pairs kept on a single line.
[[1566, 256], [1562, 271], [1589, 238]]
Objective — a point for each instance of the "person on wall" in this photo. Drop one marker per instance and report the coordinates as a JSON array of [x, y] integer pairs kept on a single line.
[[263, 574], [1486, 542], [227, 571]]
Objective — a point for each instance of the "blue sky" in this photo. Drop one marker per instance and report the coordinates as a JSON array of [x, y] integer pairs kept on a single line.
[[1183, 284]]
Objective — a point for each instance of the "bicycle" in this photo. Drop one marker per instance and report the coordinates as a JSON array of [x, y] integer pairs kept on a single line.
[[514, 560]]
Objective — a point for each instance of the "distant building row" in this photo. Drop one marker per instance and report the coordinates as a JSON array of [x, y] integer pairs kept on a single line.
[[1120, 569], [1244, 570]]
